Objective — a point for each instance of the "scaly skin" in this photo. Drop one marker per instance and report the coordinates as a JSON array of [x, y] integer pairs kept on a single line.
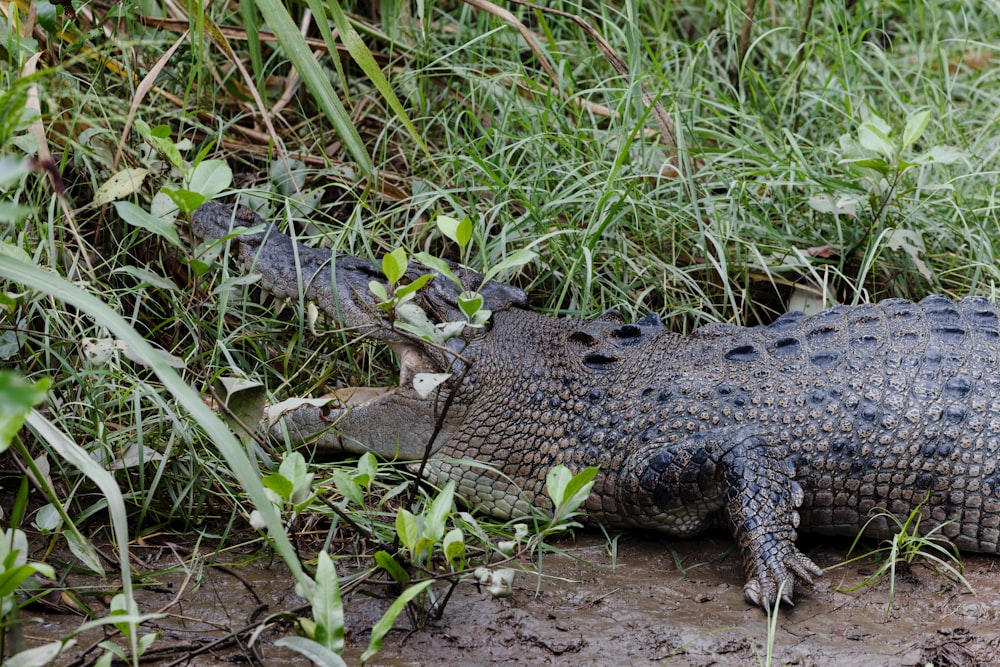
[[808, 423]]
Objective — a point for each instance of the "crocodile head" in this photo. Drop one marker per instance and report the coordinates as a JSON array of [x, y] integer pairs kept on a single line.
[[395, 422]]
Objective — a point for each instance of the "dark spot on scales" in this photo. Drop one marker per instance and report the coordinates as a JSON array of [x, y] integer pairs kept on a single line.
[[825, 358], [582, 338], [786, 347], [951, 334], [598, 362], [957, 387], [743, 353]]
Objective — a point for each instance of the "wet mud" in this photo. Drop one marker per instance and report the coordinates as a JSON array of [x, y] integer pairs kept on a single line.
[[651, 602]]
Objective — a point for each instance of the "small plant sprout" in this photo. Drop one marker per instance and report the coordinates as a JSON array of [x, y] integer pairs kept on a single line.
[[906, 547]]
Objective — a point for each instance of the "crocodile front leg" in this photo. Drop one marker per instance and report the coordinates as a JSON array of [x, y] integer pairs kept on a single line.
[[745, 474], [762, 501]]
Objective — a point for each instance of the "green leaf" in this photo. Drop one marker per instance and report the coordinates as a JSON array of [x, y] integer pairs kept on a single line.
[[405, 290], [394, 265], [40, 655], [11, 212], [459, 231], [407, 529], [578, 488], [512, 261], [209, 178], [280, 484], [874, 139], [17, 397], [454, 546], [385, 561], [327, 607], [185, 200], [137, 217], [439, 511], [164, 145], [555, 483], [470, 303], [915, 126], [438, 265], [385, 624], [378, 289], [312, 650], [348, 487], [367, 470]]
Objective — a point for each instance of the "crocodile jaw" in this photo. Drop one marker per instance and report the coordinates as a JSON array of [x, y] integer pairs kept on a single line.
[[396, 423]]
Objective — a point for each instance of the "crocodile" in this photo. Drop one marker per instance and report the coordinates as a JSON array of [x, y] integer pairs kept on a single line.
[[809, 423]]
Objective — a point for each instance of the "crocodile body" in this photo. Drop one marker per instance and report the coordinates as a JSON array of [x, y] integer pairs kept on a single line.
[[808, 423]]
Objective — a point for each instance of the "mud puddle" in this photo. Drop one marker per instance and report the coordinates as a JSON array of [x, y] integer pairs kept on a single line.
[[655, 602]]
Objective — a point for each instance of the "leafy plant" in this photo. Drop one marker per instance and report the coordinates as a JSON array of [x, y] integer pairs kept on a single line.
[[907, 546]]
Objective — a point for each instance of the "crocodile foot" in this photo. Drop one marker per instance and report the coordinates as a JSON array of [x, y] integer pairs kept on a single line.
[[772, 579]]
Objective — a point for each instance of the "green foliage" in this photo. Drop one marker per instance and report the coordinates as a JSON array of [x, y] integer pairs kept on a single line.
[[907, 546], [17, 397]]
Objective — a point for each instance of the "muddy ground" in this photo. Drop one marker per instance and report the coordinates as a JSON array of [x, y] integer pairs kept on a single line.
[[657, 602]]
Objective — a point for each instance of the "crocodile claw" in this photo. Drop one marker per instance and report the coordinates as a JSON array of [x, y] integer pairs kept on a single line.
[[775, 582]]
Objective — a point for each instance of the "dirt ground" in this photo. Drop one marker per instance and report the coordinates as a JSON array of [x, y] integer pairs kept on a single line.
[[657, 602]]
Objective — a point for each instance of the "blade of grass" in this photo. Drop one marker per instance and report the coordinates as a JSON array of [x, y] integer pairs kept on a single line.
[[230, 448], [363, 57], [295, 47]]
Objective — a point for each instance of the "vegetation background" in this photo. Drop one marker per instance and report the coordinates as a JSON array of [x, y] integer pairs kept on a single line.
[[674, 157]]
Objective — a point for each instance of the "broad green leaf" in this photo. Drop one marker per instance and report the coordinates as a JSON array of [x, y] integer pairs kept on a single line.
[[348, 487], [187, 201], [11, 212], [327, 607], [578, 488], [915, 126], [470, 303], [454, 546], [438, 265], [209, 178], [40, 655], [162, 142], [556, 481], [410, 288], [378, 289], [394, 265], [313, 650], [872, 138], [385, 624], [395, 570], [439, 511], [17, 397], [280, 484], [407, 529], [459, 231], [367, 470], [137, 217], [120, 185]]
